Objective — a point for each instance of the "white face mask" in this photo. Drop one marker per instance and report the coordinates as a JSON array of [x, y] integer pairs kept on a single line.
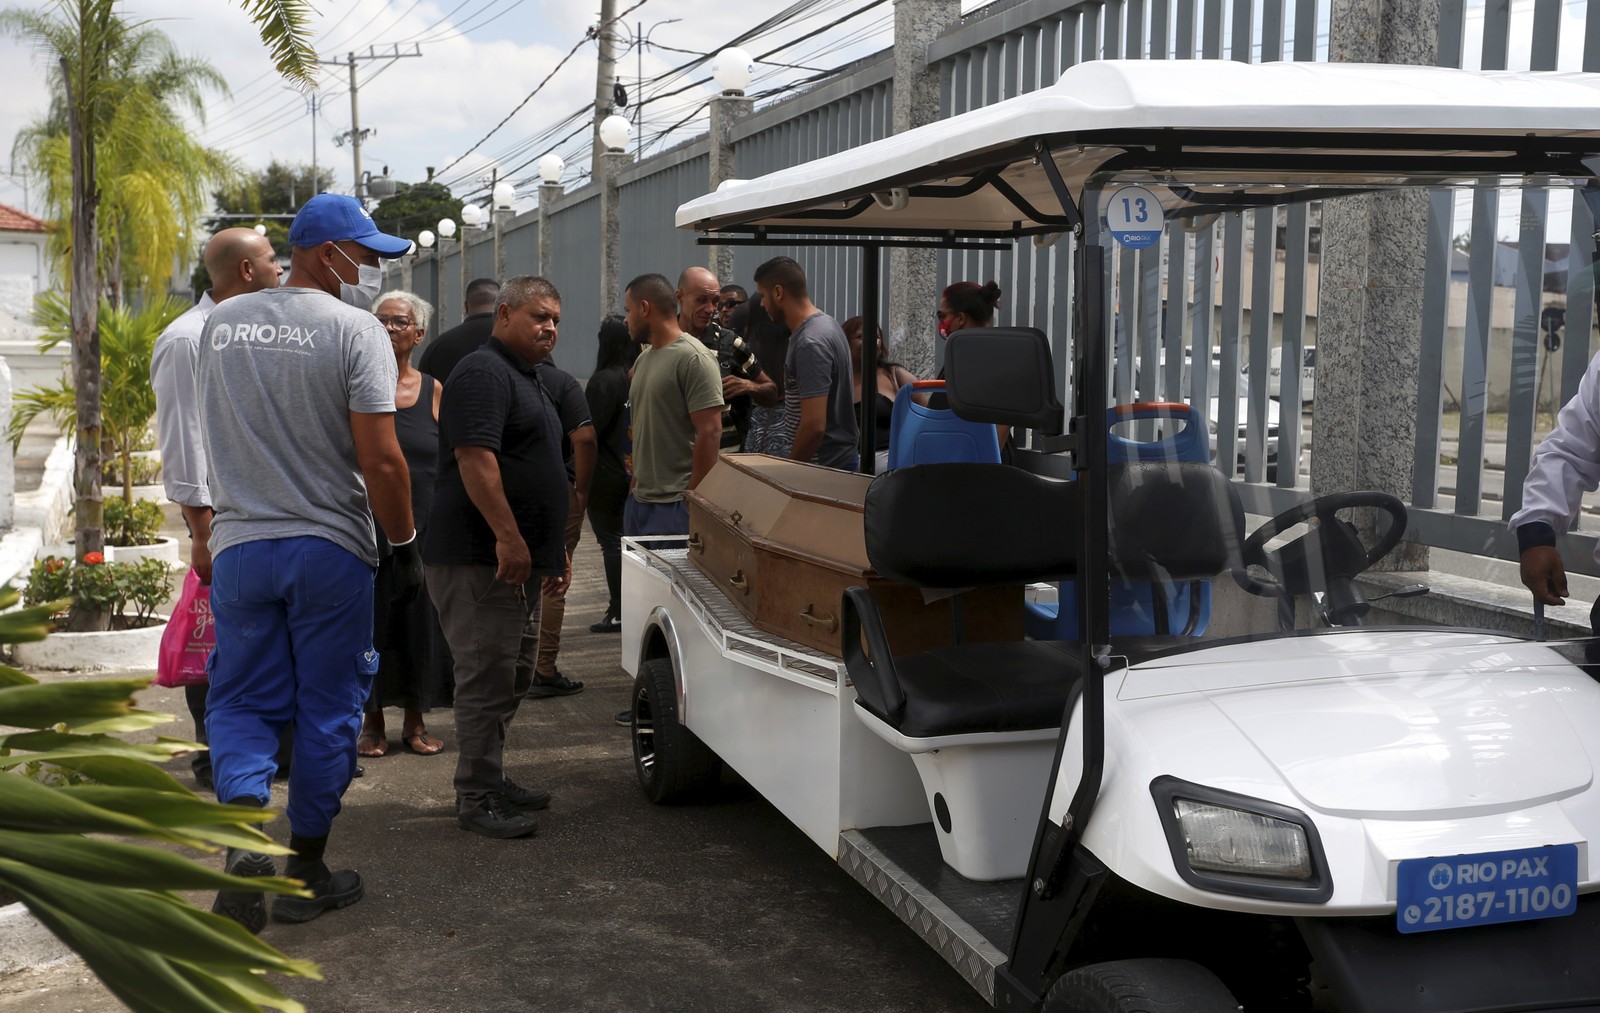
[[369, 279]]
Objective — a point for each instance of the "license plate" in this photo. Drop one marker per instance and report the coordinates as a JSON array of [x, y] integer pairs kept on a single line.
[[1485, 889]]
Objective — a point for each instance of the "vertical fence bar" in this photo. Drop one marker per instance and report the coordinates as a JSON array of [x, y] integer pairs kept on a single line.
[[1291, 349], [1430, 364], [1127, 322], [1263, 265], [1242, 31], [1305, 30], [1231, 329], [1475, 352], [1496, 34], [1211, 30], [1089, 45], [1133, 31], [1173, 317], [1272, 31], [1452, 32], [1524, 378], [1111, 44], [1183, 30], [1160, 29]]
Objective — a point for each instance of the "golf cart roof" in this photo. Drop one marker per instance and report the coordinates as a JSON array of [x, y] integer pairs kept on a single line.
[[1242, 134]]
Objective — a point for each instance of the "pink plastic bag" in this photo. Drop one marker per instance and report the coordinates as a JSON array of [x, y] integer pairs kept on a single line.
[[189, 637]]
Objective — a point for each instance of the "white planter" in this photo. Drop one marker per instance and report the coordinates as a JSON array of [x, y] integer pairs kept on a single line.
[[110, 650], [165, 549], [29, 945]]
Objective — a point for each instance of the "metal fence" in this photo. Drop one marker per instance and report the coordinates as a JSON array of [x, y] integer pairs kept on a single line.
[[1246, 286]]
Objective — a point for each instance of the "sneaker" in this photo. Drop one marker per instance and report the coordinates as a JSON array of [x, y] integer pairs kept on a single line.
[[496, 818], [625, 718], [523, 800], [247, 907], [337, 890], [558, 685], [609, 623]]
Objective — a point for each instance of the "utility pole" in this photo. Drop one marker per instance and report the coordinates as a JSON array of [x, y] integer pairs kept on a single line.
[[355, 135], [605, 76]]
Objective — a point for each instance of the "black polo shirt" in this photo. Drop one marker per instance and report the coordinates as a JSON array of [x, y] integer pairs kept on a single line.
[[494, 400]]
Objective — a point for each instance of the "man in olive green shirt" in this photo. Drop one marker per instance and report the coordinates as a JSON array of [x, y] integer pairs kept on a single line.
[[675, 400]]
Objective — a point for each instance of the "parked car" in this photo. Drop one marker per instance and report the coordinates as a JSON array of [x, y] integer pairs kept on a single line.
[[1308, 376]]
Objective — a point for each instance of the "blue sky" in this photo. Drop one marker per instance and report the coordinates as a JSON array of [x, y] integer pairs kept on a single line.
[[480, 58]]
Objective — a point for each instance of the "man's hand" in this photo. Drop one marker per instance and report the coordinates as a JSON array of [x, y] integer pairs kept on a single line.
[[408, 570], [516, 566], [555, 587], [200, 560], [1544, 574], [733, 386]]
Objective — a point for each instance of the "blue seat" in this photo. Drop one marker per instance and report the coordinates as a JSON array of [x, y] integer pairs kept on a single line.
[[922, 435], [1139, 607]]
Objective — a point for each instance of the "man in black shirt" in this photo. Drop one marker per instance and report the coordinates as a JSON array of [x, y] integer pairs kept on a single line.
[[499, 513], [743, 380], [441, 354], [579, 449]]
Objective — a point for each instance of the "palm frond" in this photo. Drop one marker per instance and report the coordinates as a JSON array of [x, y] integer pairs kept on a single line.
[[285, 29]]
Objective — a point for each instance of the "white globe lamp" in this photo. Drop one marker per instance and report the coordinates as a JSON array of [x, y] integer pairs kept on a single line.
[[732, 70], [261, 230], [425, 239], [614, 131], [472, 214], [551, 167], [504, 194], [447, 227]]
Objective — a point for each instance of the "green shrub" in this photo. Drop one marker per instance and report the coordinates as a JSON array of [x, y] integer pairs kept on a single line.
[[138, 524], [146, 471], [128, 592]]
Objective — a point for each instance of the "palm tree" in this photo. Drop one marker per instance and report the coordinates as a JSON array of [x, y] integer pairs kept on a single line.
[[82, 39]]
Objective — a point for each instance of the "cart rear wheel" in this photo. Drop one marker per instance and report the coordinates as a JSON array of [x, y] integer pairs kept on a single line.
[[1140, 986], [673, 765]]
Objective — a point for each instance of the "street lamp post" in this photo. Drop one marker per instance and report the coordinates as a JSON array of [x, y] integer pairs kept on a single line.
[[614, 137], [550, 169], [501, 196], [447, 230], [425, 242], [473, 215]]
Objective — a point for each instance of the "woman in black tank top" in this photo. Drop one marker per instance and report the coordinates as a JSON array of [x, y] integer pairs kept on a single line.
[[413, 662]]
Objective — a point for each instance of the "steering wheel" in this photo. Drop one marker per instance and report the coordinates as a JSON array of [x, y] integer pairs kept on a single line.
[[1331, 548]]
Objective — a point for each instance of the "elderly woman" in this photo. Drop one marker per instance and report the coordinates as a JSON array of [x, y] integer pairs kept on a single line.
[[413, 661]]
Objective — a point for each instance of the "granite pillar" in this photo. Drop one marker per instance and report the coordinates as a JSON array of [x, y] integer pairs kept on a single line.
[[1369, 319], [912, 280], [611, 165], [727, 109], [549, 193]]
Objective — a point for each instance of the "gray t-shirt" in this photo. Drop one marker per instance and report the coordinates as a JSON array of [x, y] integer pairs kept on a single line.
[[280, 372], [819, 365]]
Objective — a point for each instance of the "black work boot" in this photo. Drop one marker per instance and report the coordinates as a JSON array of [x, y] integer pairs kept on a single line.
[[329, 890], [247, 907]]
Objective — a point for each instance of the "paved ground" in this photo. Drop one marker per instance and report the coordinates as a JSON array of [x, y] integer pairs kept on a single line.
[[615, 905]]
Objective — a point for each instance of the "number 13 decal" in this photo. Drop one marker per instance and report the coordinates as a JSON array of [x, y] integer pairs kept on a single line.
[[1136, 210]]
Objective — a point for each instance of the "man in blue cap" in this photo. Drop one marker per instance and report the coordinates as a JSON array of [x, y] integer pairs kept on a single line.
[[297, 400]]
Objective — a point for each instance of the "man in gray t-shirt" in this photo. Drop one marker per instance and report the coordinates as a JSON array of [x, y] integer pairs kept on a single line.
[[819, 421], [296, 393]]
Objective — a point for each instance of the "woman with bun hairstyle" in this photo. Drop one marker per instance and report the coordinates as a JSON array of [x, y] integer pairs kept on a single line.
[[965, 304]]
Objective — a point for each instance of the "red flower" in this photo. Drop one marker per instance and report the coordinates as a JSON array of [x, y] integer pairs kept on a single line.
[[94, 558], [55, 565]]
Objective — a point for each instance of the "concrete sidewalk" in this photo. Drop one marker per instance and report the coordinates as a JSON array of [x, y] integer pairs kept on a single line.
[[615, 904]]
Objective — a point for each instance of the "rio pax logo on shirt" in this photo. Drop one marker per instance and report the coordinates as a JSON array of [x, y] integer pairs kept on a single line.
[[245, 335]]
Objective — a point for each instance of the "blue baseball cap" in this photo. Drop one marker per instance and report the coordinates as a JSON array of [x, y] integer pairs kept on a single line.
[[336, 218]]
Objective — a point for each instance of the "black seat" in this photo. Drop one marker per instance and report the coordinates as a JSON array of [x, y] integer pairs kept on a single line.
[[958, 525]]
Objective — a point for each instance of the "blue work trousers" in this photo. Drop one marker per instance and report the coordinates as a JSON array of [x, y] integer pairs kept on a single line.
[[294, 648]]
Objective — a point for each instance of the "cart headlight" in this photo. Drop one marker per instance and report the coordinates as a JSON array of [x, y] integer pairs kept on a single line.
[[1222, 839], [1229, 843]]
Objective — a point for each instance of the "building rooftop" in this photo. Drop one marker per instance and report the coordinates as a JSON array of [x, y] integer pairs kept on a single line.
[[15, 220]]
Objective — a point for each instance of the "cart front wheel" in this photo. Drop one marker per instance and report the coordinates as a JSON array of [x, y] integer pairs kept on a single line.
[[1140, 986], [673, 765]]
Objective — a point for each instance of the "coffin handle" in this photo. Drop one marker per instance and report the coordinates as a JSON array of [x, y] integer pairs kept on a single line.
[[696, 543], [735, 517], [739, 583], [829, 622]]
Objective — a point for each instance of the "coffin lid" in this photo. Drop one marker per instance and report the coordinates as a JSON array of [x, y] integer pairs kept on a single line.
[[796, 509]]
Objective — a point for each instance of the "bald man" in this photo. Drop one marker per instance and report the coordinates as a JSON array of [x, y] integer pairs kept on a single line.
[[238, 261], [743, 380]]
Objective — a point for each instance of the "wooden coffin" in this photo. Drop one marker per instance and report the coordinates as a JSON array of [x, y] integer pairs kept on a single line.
[[783, 540]]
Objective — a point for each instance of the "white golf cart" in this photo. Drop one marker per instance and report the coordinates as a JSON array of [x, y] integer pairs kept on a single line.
[[1191, 816]]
